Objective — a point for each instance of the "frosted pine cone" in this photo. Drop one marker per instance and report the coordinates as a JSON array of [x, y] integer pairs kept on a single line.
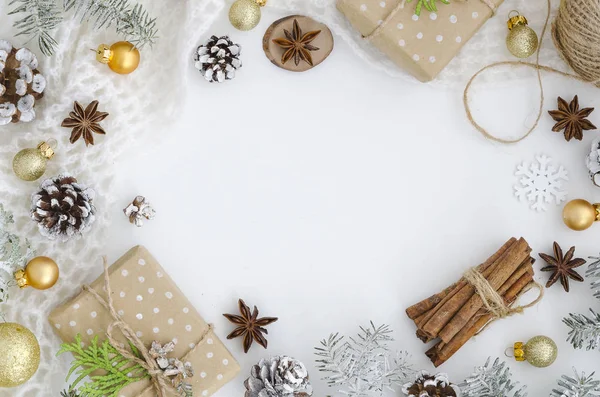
[[592, 160], [63, 208], [279, 376], [21, 84], [218, 59], [426, 385]]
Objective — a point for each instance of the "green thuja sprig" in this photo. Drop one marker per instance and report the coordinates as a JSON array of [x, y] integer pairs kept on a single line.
[[428, 4], [114, 371]]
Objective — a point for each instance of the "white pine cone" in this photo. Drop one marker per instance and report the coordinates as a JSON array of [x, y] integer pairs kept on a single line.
[[426, 385], [279, 376], [593, 158], [63, 208], [21, 84], [218, 59]]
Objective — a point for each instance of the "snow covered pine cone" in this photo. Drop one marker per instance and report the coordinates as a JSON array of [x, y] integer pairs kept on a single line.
[[21, 84], [63, 208], [426, 385], [279, 376], [218, 59]]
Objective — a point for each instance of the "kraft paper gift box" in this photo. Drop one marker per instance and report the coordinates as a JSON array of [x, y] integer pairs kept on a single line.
[[422, 45], [149, 301]]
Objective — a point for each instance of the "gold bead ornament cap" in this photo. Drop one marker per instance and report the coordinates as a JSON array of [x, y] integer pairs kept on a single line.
[[515, 20], [104, 54], [46, 149]]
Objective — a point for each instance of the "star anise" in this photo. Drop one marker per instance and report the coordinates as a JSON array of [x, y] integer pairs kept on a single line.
[[297, 45], [85, 122], [249, 326], [562, 266], [569, 118]]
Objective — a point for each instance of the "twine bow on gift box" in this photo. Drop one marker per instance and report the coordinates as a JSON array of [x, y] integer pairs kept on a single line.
[[161, 382]]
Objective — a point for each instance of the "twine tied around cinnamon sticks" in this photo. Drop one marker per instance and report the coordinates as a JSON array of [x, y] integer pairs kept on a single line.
[[160, 383], [401, 5], [493, 302]]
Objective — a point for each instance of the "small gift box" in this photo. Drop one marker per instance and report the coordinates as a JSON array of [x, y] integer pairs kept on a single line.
[[420, 44], [149, 302]]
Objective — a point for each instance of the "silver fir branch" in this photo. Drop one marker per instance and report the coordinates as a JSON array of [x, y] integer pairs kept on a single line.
[[39, 19], [584, 331], [492, 380], [13, 253], [593, 272], [577, 386], [363, 365]]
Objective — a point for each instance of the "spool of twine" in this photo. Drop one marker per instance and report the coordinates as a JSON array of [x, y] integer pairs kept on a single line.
[[576, 35]]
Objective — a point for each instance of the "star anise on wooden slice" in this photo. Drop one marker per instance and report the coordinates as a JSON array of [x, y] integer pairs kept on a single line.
[[562, 266], [297, 45], [249, 326], [85, 122], [571, 119]]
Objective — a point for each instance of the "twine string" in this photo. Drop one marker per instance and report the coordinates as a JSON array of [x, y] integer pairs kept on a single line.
[[493, 302], [573, 39], [160, 382], [401, 5]]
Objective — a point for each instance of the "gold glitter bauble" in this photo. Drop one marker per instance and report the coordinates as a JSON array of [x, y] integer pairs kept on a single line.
[[245, 14], [522, 41], [19, 354], [30, 164], [580, 214], [121, 57], [40, 273], [540, 351]]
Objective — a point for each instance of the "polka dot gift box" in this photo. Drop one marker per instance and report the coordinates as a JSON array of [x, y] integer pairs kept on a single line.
[[420, 44], [149, 301]]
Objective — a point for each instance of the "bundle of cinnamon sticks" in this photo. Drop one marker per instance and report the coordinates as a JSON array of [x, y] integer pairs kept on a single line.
[[457, 313]]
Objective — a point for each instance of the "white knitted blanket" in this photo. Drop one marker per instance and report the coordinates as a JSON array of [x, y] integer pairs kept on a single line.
[[150, 96]]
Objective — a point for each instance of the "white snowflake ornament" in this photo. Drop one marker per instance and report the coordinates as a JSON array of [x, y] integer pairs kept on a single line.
[[541, 183]]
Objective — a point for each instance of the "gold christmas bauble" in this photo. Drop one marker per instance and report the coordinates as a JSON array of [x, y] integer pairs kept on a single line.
[[40, 273], [121, 57], [539, 351], [30, 164], [522, 41], [580, 214], [19, 354], [245, 14]]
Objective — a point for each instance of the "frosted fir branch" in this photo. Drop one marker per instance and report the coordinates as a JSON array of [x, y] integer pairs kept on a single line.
[[578, 386], [492, 380], [133, 23], [40, 18], [593, 272], [584, 330], [363, 365]]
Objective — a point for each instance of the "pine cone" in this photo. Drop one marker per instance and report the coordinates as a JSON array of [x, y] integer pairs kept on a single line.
[[21, 84], [63, 208], [426, 385], [279, 376], [218, 59]]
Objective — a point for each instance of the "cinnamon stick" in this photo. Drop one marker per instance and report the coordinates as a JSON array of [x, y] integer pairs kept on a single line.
[[503, 271], [499, 271], [483, 268], [442, 351]]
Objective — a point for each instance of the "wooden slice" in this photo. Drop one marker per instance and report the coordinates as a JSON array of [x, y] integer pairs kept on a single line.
[[323, 42]]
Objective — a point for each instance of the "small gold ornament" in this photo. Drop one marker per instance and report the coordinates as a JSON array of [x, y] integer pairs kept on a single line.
[[245, 14], [121, 57], [19, 354], [580, 214], [540, 351], [40, 273], [30, 164], [522, 41]]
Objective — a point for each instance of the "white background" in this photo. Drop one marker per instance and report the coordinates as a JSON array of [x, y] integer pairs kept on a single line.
[[341, 195]]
